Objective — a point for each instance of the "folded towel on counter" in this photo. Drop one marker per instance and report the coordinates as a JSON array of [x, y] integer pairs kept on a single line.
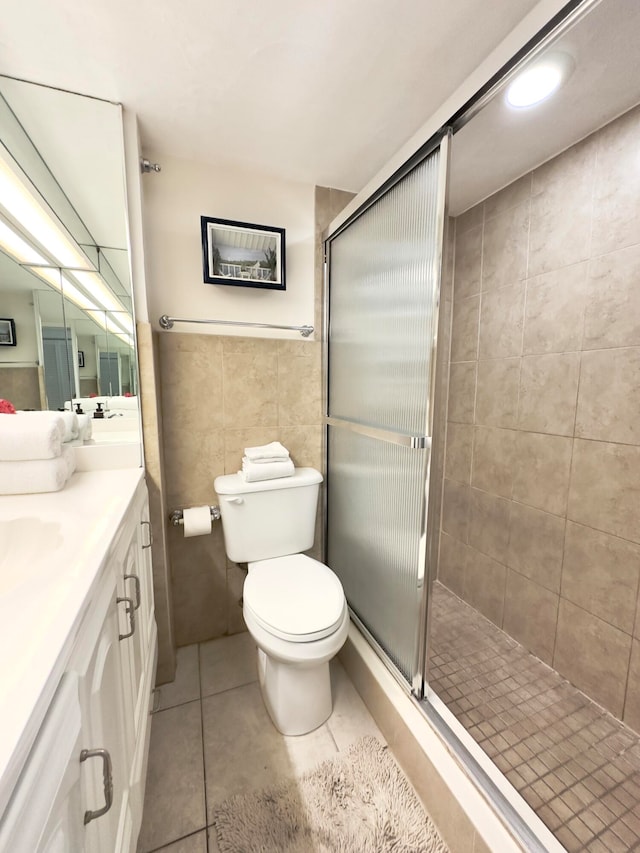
[[31, 435], [252, 472], [272, 452], [37, 475]]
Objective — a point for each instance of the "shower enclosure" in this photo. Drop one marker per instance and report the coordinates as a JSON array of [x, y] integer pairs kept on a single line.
[[384, 274], [483, 448]]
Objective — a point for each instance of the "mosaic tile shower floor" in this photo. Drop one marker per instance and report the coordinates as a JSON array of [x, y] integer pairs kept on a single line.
[[574, 763]]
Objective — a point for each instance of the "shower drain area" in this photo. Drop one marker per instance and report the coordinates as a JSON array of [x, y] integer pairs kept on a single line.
[[573, 762]]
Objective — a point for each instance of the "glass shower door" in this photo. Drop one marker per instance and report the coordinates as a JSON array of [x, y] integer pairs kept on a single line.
[[383, 299]]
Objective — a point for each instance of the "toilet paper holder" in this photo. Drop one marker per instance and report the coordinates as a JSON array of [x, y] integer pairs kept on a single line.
[[177, 516]]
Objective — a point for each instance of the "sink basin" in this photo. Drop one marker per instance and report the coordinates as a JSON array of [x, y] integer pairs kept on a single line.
[[27, 546]]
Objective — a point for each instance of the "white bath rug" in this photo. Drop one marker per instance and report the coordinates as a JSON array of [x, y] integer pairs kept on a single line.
[[359, 802]]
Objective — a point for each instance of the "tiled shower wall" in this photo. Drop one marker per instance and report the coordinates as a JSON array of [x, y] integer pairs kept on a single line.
[[541, 515]]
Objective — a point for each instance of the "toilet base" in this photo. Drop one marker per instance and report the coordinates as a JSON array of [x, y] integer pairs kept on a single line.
[[297, 698]]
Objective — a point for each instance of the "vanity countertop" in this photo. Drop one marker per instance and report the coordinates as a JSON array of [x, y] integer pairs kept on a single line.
[[52, 548]]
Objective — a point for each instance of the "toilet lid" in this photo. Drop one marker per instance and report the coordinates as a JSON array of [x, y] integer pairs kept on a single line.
[[295, 598]]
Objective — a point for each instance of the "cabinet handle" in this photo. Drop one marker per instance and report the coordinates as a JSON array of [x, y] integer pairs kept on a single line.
[[131, 613], [107, 782], [136, 581], [150, 543]]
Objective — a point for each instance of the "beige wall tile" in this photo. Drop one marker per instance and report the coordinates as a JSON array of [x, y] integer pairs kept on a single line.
[[536, 541], [613, 300], [512, 195], [631, 715], [609, 399], [470, 218], [493, 460], [489, 524], [458, 452], [455, 509], [193, 459], [605, 488], [530, 615], [464, 330], [199, 586], [504, 247], [593, 655], [501, 319], [554, 310], [484, 586], [235, 583], [616, 221], [452, 563], [191, 381], [304, 443], [468, 262], [561, 209], [541, 471], [600, 574], [299, 384], [462, 392], [497, 392], [250, 388], [548, 393]]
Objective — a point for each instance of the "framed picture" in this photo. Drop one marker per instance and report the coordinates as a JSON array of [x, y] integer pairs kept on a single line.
[[7, 333], [80, 358], [242, 254]]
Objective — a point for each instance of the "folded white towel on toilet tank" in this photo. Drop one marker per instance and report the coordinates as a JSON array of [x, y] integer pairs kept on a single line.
[[29, 477], [273, 452], [252, 472], [31, 435]]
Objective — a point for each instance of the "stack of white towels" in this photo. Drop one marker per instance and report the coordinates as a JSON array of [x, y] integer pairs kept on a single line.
[[36, 450], [266, 462]]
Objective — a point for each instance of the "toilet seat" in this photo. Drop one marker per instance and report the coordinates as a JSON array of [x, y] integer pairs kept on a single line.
[[295, 598]]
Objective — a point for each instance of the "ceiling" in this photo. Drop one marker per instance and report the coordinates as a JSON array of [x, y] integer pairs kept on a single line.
[[501, 143], [323, 93]]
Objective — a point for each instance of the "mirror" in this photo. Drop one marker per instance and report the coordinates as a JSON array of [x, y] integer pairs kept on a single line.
[[64, 264]]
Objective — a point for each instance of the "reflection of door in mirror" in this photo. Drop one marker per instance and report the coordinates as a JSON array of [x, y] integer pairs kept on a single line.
[[58, 367], [67, 284]]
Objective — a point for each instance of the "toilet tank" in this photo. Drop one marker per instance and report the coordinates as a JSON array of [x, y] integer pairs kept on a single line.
[[270, 518]]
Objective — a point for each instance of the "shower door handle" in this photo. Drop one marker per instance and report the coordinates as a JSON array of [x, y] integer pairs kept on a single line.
[[414, 442]]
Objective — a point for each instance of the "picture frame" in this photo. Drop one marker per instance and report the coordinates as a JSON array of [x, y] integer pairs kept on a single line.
[[242, 254], [7, 332], [80, 358]]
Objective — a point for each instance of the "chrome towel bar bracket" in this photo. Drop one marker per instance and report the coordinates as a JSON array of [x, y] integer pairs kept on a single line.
[[177, 516], [167, 322]]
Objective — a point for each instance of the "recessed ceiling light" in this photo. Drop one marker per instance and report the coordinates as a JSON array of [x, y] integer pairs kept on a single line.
[[537, 83]]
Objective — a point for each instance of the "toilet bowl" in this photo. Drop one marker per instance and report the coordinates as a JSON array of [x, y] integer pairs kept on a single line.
[[294, 606]]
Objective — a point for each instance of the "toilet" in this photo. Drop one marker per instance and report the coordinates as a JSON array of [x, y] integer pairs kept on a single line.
[[294, 606]]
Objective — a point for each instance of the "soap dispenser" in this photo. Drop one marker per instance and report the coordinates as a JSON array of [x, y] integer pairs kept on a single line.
[[99, 412], [79, 410]]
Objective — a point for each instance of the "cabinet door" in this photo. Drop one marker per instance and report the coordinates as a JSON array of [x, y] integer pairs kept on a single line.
[[104, 728], [45, 813], [137, 645]]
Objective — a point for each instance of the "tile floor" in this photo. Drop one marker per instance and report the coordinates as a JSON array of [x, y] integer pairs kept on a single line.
[[211, 738], [575, 764]]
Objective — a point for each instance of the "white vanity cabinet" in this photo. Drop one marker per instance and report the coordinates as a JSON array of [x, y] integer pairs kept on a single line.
[[81, 788]]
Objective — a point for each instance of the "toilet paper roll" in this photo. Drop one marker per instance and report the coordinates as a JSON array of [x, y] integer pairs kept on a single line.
[[197, 521]]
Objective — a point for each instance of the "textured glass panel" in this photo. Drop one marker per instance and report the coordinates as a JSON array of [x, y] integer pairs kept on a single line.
[[375, 494], [383, 276]]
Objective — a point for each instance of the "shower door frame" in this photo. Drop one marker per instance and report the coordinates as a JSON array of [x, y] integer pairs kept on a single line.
[[431, 496]]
